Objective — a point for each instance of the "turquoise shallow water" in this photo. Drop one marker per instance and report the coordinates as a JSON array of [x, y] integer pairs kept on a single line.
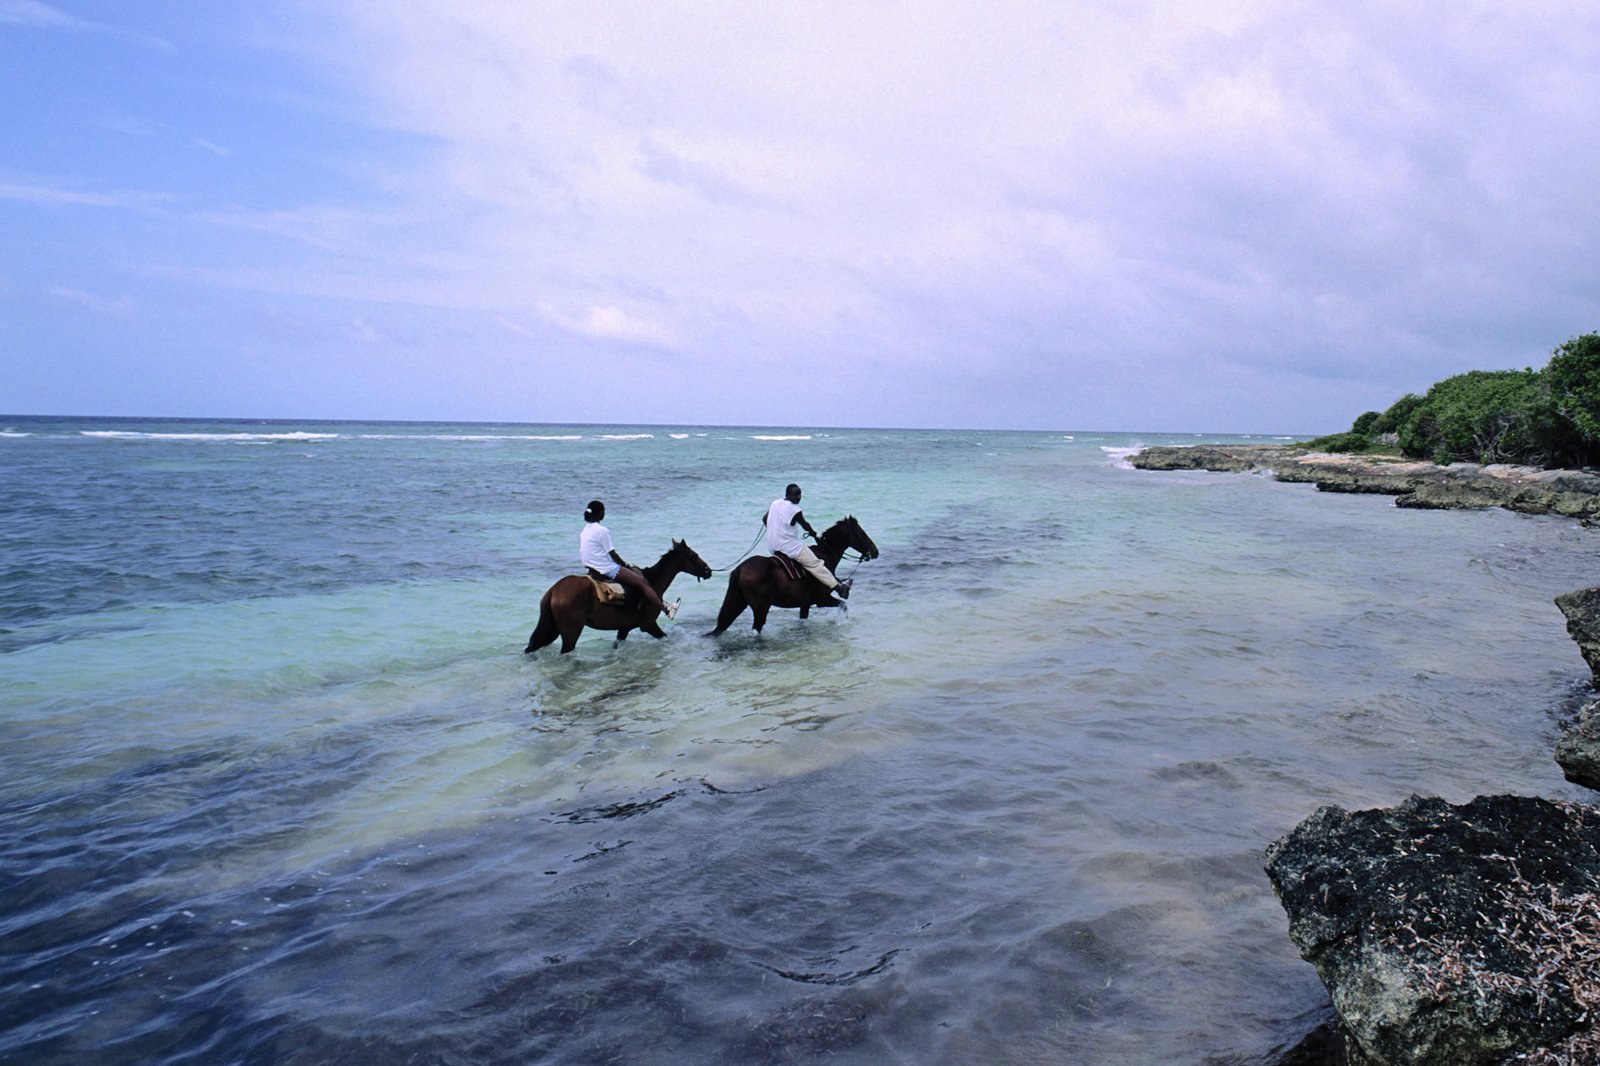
[[278, 785]]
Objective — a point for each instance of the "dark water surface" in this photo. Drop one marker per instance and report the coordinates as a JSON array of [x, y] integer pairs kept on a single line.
[[279, 787]]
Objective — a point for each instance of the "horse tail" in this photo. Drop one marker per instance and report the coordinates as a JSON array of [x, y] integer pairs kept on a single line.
[[733, 605], [546, 631]]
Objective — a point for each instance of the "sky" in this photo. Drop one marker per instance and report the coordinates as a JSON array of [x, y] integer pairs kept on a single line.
[[1122, 215]]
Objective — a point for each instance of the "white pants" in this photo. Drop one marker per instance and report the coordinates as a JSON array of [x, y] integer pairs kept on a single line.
[[808, 559]]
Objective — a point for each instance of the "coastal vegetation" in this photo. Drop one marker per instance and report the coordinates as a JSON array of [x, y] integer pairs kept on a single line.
[[1546, 418]]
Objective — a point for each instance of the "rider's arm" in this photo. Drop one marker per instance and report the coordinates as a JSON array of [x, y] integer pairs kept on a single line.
[[800, 520], [619, 560]]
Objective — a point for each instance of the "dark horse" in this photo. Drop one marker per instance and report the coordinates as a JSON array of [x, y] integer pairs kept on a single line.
[[572, 603], [761, 582]]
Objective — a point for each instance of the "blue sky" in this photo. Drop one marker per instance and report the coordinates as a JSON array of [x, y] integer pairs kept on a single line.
[[1255, 217]]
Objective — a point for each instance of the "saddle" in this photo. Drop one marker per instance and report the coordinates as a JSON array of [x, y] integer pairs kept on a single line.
[[790, 567], [608, 592]]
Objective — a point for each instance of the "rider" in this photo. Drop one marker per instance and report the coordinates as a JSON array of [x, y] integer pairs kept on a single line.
[[780, 519], [596, 552]]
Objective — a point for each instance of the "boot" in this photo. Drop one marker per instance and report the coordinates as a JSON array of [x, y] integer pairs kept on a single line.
[[842, 590]]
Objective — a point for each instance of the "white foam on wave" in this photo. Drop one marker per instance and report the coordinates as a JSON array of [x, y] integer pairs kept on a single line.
[[1120, 456], [776, 436], [225, 438], [627, 436], [475, 437], [679, 436], [13, 433]]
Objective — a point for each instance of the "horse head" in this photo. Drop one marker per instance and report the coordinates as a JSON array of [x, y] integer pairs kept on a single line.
[[688, 561], [856, 538]]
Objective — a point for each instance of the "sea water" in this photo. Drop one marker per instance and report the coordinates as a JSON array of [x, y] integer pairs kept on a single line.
[[277, 784]]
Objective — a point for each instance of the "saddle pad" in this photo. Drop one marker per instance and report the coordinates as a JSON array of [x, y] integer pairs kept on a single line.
[[789, 565], [609, 591]]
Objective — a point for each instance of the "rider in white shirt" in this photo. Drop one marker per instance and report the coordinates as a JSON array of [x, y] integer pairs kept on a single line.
[[781, 519], [599, 556]]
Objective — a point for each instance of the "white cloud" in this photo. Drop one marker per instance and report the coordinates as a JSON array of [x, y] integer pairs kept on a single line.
[[37, 15], [113, 306], [61, 195], [613, 324], [935, 192], [33, 13]]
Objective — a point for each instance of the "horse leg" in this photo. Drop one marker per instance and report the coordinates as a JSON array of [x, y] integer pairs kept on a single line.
[[622, 634], [805, 612], [571, 627], [733, 605], [545, 632], [759, 610], [653, 628]]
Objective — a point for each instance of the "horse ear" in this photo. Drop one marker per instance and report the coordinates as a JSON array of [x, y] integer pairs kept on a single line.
[[676, 543]]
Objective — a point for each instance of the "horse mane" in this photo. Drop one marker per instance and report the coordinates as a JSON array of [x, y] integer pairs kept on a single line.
[[657, 566]]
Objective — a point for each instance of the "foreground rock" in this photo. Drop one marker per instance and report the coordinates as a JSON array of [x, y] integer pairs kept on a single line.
[[1578, 750], [1573, 493], [1582, 611], [1456, 935]]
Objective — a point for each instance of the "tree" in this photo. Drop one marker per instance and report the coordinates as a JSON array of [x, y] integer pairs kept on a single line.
[[1573, 382], [1484, 416]]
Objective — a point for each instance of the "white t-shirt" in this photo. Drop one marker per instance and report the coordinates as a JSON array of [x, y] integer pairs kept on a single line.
[[594, 549], [782, 535]]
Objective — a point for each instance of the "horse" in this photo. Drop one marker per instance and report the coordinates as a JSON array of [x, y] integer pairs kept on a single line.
[[761, 582], [572, 603]]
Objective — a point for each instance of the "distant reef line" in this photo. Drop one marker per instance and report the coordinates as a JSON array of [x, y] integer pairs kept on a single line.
[[1413, 483]]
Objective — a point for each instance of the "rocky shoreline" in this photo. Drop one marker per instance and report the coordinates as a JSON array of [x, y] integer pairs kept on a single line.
[[1529, 490], [1454, 935]]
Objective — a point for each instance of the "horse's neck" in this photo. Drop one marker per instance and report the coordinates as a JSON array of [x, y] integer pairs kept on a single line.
[[661, 574], [832, 545]]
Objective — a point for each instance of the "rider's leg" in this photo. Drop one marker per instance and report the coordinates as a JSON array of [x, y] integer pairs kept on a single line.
[[634, 579], [808, 559]]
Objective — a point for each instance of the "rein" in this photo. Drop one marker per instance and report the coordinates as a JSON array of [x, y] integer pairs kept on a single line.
[[843, 555], [747, 551], [859, 559]]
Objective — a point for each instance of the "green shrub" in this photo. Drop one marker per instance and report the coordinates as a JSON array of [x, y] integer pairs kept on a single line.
[[1397, 415], [1573, 383], [1341, 442], [1484, 416], [1548, 417]]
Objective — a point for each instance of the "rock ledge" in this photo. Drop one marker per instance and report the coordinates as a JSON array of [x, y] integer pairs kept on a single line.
[[1528, 490]]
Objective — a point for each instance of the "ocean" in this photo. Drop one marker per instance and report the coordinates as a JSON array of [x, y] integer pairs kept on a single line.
[[277, 784]]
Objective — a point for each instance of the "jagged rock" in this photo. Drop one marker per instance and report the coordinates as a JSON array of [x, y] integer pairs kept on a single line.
[[1222, 458], [1459, 935], [1573, 493], [1582, 608], [1578, 750]]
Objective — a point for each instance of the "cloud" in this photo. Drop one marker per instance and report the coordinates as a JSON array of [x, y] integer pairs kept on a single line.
[[812, 169], [37, 15], [111, 306], [612, 324], [358, 329], [33, 13], [1319, 205], [47, 194]]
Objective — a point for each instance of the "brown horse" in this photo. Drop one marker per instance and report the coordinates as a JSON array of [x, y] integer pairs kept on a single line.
[[761, 582], [571, 603]]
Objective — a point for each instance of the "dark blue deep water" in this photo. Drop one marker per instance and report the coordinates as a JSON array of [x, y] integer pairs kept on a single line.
[[278, 786]]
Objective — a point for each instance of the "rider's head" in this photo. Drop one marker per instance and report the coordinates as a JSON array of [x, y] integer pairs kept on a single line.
[[595, 511], [792, 493]]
